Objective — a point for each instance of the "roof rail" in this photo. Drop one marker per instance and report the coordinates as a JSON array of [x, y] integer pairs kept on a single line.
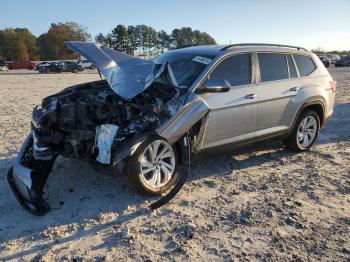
[[262, 44]]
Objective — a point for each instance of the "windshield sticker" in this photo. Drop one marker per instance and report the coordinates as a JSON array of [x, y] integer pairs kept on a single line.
[[202, 60]]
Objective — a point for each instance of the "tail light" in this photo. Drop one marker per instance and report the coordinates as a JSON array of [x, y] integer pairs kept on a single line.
[[333, 85]]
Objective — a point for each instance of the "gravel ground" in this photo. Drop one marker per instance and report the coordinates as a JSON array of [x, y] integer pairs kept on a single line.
[[265, 203]]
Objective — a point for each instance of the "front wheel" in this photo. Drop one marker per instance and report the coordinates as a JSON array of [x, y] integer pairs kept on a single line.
[[152, 169], [305, 132]]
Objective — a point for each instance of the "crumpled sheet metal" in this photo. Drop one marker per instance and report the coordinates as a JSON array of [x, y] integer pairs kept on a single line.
[[127, 75]]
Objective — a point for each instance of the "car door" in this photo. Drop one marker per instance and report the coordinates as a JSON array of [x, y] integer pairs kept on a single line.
[[232, 114], [278, 85]]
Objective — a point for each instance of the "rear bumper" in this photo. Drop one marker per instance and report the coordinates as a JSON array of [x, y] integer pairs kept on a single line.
[[27, 178]]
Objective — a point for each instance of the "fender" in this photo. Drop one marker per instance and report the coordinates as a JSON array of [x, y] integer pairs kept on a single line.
[[185, 118], [315, 100]]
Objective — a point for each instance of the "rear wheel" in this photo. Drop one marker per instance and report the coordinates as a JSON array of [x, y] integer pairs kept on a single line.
[[152, 169], [305, 132]]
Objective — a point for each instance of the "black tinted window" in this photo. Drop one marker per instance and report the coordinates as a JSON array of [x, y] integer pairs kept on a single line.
[[292, 70], [273, 67], [235, 69], [305, 64]]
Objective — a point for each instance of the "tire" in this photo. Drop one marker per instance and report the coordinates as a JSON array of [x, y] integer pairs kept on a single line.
[[145, 182], [301, 140], [75, 71]]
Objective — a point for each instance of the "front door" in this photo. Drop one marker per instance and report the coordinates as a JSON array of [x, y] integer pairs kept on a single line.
[[232, 115]]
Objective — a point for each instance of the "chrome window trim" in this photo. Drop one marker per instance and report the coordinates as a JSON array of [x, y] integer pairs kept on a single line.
[[256, 78]]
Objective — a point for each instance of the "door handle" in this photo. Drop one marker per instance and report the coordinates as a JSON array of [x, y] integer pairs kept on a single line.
[[294, 89], [250, 96]]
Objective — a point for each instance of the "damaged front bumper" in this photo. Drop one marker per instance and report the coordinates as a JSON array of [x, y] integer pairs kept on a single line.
[[27, 178]]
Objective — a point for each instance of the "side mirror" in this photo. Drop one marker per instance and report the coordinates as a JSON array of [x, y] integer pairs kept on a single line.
[[218, 85]]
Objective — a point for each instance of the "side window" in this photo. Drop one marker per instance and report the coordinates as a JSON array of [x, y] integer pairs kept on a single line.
[[236, 70], [305, 64], [273, 67], [292, 70]]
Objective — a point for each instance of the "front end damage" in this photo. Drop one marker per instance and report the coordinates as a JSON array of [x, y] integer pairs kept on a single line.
[[28, 176], [95, 122]]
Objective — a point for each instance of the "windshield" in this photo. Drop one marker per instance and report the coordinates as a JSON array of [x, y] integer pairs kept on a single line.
[[186, 67]]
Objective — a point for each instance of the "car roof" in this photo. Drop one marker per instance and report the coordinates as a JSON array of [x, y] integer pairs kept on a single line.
[[218, 50]]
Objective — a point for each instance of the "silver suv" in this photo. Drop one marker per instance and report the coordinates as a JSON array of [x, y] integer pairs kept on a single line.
[[146, 118]]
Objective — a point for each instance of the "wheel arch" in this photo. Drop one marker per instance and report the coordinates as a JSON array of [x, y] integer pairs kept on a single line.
[[316, 104]]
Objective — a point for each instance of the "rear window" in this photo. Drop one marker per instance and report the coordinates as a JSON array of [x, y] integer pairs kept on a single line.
[[305, 64], [273, 67]]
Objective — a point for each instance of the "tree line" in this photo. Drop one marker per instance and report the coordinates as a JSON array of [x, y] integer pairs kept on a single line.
[[320, 50], [21, 44], [145, 40]]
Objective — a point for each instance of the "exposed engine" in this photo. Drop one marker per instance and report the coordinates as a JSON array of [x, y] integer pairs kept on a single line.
[[66, 122]]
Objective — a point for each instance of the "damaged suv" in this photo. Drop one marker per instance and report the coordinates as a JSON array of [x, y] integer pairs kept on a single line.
[[146, 118]]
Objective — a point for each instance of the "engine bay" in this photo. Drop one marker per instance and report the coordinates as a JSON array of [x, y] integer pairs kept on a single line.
[[66, 122]]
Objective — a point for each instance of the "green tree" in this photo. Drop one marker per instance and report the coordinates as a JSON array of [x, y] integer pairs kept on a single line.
[[8, 44], [47, 50], [164, 41], [120, 38], [101, 39], [27, 41], [51, 44], [145, 40], [134, 39], [23, 54], [17, 44]]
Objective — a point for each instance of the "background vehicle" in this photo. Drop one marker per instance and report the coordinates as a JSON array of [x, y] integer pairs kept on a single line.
[[198, 99], [325, 60], [3, 66], [54, 67], [344, 61], [41, 65], [58, 67], [333, 57], [86, 64], [73, 67], [21, 65]]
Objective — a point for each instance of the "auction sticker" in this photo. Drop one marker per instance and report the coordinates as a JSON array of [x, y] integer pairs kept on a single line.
[[202, 60]]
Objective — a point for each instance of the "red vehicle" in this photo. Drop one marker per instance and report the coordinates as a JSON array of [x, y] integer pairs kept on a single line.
[[22, 65]]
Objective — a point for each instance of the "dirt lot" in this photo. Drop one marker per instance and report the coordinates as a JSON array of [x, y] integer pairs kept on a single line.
[[261, 204]]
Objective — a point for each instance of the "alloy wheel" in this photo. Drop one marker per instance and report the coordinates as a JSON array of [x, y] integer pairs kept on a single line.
[[306, 132], [157, 164]]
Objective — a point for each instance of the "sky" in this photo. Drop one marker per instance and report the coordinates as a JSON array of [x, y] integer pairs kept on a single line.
[[307, 23]]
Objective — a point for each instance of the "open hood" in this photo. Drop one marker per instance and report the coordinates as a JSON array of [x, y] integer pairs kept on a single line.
[[127, 75]]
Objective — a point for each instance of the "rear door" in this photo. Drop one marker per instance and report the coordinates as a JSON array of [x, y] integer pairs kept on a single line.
[[278, 85], [232, 114]]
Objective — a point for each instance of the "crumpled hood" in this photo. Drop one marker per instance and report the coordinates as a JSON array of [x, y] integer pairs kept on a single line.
[[127, 75]]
